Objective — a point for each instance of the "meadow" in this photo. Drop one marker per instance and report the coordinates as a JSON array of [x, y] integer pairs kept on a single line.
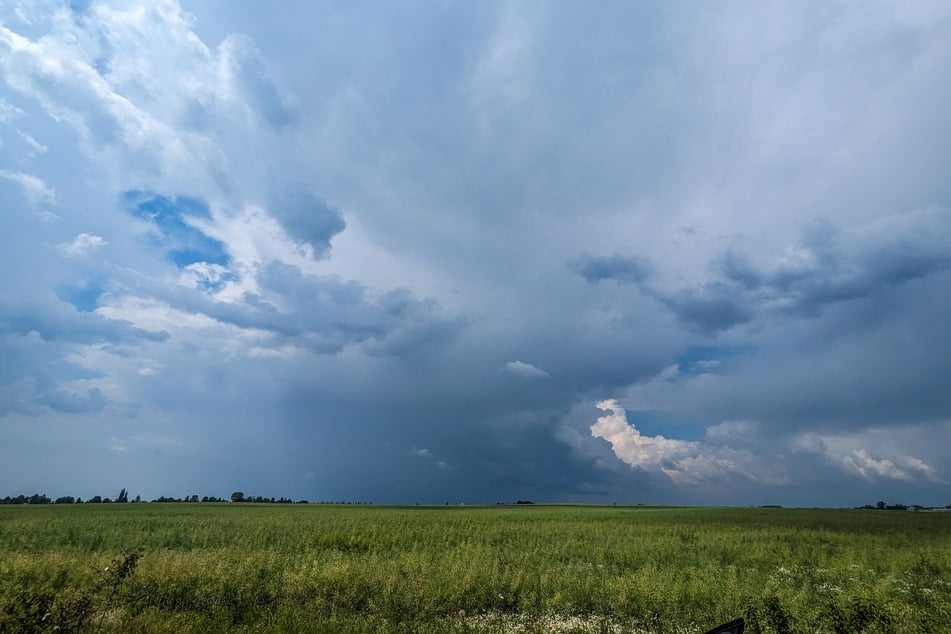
[[326, 568]]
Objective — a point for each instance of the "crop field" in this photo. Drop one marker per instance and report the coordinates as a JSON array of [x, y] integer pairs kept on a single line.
[[326, 568]]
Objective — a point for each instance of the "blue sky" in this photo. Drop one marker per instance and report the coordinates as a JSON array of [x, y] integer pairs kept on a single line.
[[685, 253]]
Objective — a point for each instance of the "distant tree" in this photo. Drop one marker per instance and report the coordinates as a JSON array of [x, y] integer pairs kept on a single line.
[[123, 496], [66, 499], [137, 499], [237, 496], [880, 505], [95, 500]]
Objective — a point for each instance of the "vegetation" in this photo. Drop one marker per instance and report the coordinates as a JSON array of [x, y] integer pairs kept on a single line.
[[526, 568]]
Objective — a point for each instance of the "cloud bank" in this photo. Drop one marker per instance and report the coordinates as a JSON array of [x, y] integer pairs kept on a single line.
[[612, 253]]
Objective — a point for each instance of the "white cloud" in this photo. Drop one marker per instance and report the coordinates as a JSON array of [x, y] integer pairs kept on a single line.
[[861, 464], [683, 461], [630, 446], [847, 453], [34, 188], [732, 431], [7, 112], [83, 244], [916, 464], [35, 145], [524, 370], [203, 275]]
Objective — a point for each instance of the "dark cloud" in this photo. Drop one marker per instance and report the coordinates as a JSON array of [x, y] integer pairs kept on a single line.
[[441, 350], [306, 218], [616, 268], [826, 267], [322, 313], [710, 309]]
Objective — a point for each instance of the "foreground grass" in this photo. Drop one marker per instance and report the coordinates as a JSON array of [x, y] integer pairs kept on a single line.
[[296, 568]]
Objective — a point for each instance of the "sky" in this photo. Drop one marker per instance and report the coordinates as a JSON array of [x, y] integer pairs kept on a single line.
[[472, 252]]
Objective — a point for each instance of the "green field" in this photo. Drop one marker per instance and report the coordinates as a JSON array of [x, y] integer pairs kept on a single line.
[[299, 568]]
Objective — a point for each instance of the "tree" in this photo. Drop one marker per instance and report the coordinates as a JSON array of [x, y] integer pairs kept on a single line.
[[880, 505], [123, 496], [237, 496]]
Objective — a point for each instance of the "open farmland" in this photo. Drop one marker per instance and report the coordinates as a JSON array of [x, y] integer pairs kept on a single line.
[[248, 567]]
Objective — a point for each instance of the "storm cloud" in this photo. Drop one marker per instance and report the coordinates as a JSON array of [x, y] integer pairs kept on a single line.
[[430, 253]]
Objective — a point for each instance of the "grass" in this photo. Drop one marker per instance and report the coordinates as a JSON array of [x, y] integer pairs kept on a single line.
[[298, 568]]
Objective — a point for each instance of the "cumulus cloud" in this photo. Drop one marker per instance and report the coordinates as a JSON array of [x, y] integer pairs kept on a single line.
[[683, 461], [524, 370], [83, 244], [847, 454]]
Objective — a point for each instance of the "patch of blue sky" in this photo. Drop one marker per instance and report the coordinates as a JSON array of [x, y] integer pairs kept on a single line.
[[210, 250], [657, 423], [85, 298], [164, 211], [79, 6], [185, 243], [709, 359]]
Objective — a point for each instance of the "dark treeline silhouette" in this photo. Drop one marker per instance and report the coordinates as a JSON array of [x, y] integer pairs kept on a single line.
[[882, 506], [240, 497], [123, 498]]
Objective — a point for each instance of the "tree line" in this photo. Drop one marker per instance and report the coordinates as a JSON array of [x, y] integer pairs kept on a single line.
[[123, 498], [882, 506]]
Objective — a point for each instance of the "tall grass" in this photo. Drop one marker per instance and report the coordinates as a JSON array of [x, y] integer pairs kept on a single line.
[[214, 567]]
